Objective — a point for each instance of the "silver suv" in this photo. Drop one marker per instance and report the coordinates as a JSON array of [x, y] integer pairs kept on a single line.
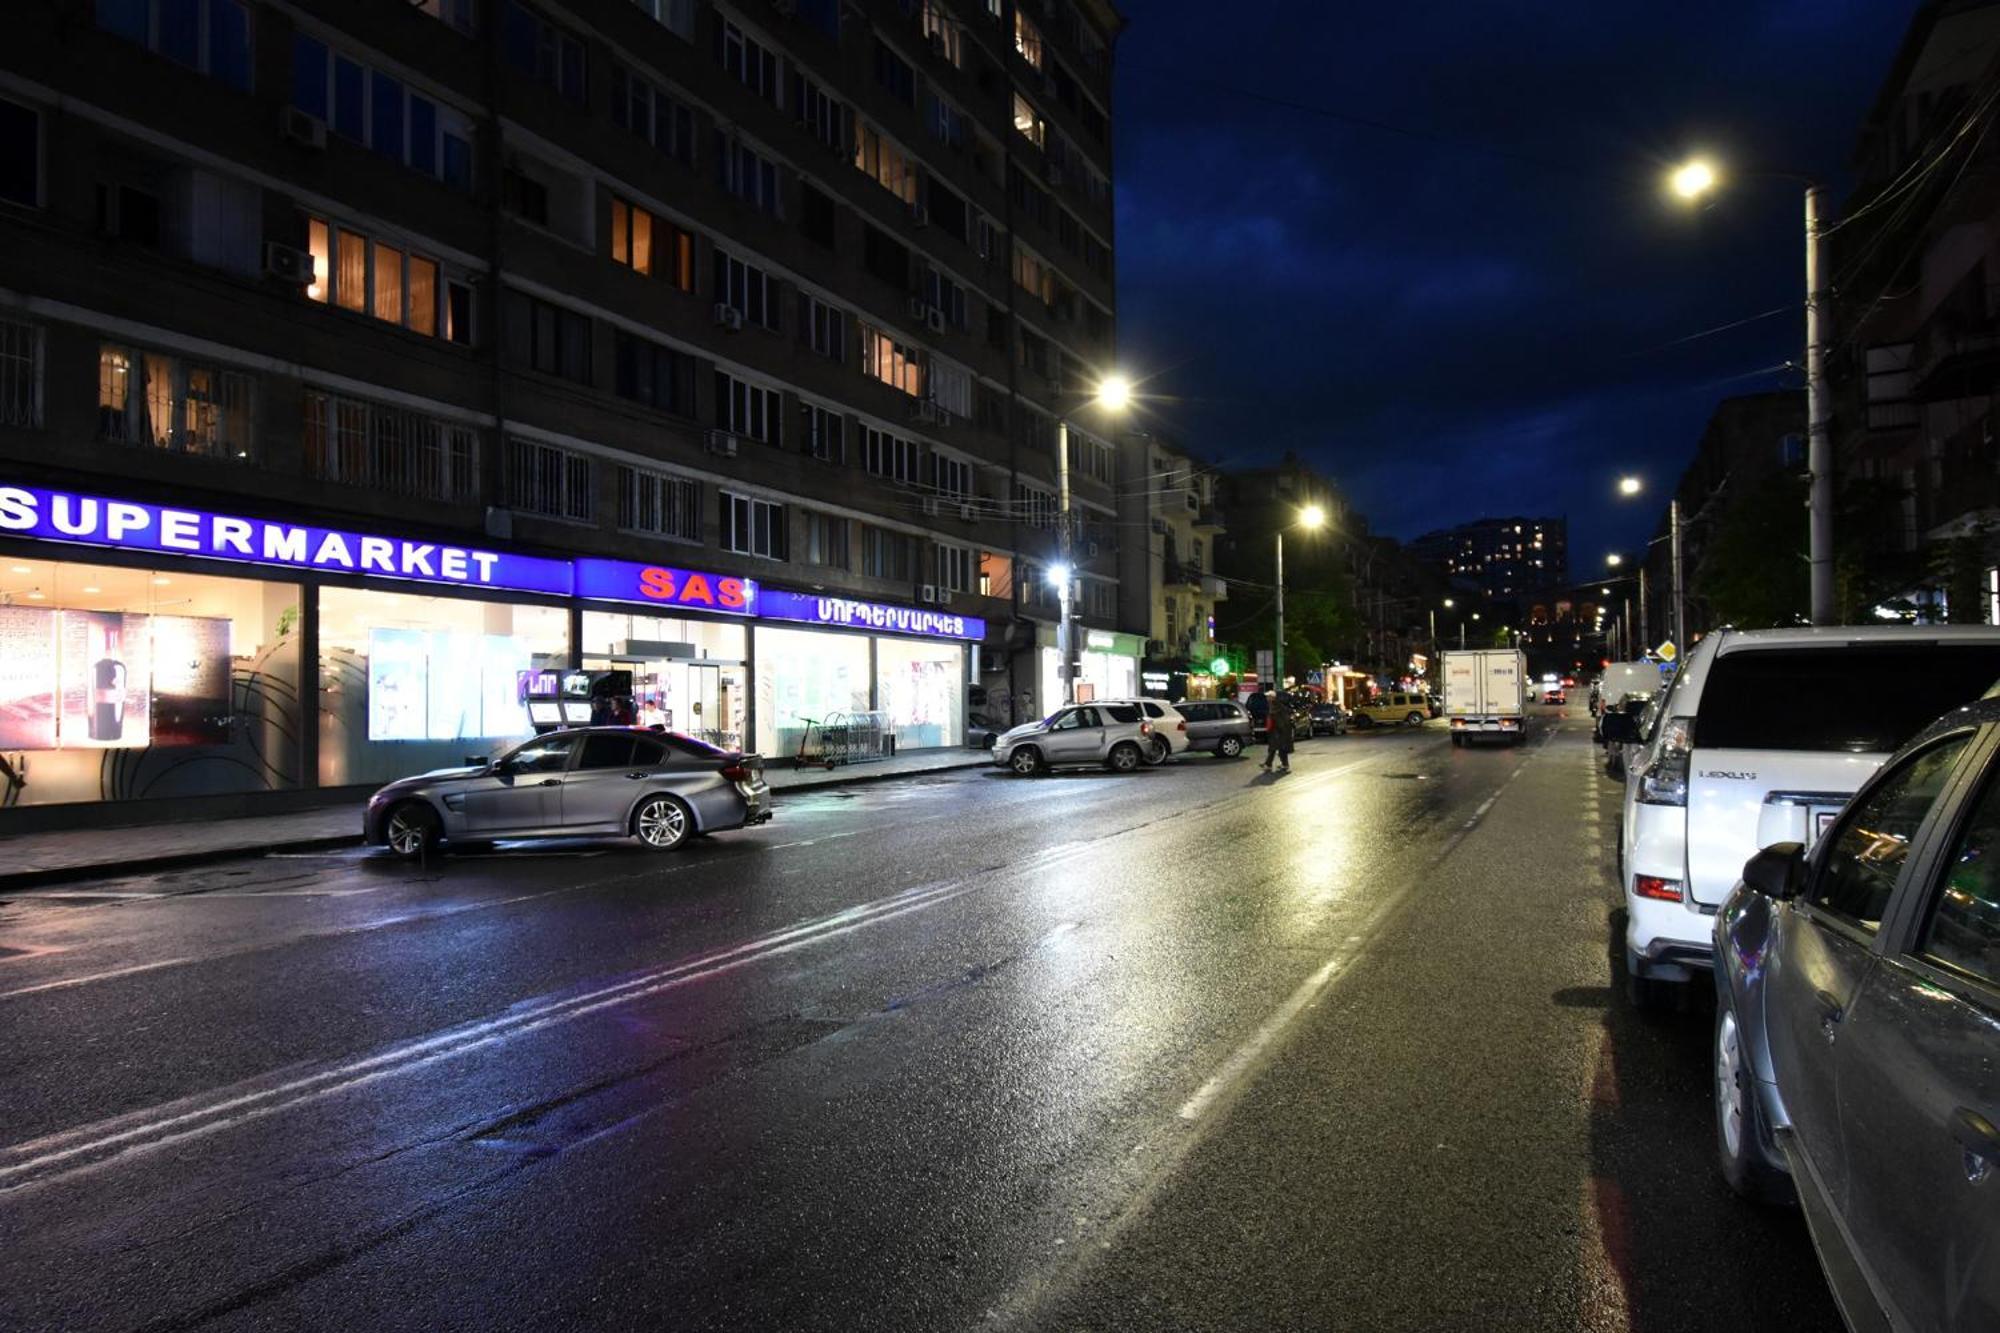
[[1219, 726], [660, 787], [1112, 734]]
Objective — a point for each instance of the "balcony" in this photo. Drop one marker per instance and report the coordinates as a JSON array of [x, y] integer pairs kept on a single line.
[[1209, 517], [1958, 347], [1176, 574]]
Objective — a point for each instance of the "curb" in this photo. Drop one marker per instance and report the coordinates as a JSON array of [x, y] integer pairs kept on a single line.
[[32, 879]]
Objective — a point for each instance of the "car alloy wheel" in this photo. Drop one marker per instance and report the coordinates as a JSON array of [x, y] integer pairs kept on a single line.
[[1414, 720], [1125, 757], [412, 830], [1026, 761], [661, 823], [1729, 1092], [1159, 750], [1230, 747]]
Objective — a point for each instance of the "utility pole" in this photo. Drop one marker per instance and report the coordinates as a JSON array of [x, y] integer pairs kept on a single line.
[[1064, 658], [1645, 631], [1278, 654], [1819, 423], [1679, 621]]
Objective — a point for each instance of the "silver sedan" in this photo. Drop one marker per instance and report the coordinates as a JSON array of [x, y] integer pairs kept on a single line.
[[659, 787]]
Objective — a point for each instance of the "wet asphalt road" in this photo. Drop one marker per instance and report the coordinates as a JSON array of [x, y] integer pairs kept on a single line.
[[1201, 1048]]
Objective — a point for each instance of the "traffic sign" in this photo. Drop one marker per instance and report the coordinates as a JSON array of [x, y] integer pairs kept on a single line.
[[1667, 651]]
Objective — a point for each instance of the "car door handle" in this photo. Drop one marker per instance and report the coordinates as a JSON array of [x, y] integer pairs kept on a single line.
[[639, 774], [1976, 1134], [550, 782]]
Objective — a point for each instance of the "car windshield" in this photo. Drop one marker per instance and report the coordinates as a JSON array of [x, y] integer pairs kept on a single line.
[[1862, 699]]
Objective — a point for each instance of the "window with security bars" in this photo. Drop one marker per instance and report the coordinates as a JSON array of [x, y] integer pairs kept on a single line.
[[753, 527], [552, 482], [20, 374], [169, 403], [392, 449], [659, 504]]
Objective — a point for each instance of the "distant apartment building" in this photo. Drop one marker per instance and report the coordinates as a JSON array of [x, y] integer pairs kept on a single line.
[[368, 366], [1168, 586], [1503, 557]]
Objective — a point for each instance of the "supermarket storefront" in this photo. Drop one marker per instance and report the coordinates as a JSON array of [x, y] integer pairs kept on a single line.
[[154, 652]]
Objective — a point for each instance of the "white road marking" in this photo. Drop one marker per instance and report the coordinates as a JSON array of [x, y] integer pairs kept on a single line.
[[95, 976], [1244, 1056]]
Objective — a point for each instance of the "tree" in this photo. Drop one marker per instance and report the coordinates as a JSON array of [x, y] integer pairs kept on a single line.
[[1753, 572]]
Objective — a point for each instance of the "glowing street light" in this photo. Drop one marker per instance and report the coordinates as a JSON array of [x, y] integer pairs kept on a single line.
[[1059, 575], [1630, 485], [1693, 179], [1614, 560], [1113, 394], [1311, 518]]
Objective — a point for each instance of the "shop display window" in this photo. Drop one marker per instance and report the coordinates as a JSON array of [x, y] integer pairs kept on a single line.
[[124, 684], [805, 674], [687, 674], [409, 682], [921, 686]]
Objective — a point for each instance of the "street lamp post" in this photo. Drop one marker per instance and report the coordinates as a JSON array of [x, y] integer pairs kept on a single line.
[[1113, 393], [1310, 519], [1690, 182]]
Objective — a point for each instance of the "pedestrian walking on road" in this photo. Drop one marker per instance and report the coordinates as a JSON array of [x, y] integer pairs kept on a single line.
[[1278, 733]]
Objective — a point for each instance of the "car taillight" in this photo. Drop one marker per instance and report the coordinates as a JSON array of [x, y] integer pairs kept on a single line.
[[736, 773], [1145, 728], [1182, 726], [1652, 886]]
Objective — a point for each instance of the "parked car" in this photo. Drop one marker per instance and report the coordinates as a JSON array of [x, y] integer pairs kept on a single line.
[[1392, 707], [1329, 720], [1761, 738], [1114, 735], [1170, 728], [1857, 1034], [658, 786], [1217, 726]]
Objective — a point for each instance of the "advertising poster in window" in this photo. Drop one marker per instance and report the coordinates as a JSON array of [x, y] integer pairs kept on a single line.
[[105, 668], [453, 685], [191, 695], [27, 678], [503, 661], [398, 691]]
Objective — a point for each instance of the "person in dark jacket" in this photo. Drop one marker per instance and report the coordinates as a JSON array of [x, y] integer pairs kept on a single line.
[[1258, 706], [1278, 733]]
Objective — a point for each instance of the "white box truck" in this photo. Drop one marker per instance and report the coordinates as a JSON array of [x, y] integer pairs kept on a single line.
[[1485, 692]]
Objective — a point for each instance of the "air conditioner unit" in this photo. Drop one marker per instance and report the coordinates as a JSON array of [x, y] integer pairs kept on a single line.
[[720, 443], [944, 596], [919, 216], [919, 308], [934, 320], [930, 505], [729, 317], [289, 263], [967, 512], [303, 128], [1156, 648], [928, 593]]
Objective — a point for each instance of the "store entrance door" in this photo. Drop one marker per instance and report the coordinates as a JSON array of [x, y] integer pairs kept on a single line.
[[696, 697]]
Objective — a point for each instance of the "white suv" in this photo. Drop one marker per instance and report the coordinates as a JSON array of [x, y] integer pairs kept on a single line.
[[1170, 729], [1761, 738]]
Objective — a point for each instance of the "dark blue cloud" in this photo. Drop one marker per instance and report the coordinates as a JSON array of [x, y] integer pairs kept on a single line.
[[1467, 318]]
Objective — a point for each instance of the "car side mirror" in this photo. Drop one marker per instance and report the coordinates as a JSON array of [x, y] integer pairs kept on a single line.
[[1778, 871], [478, 761], [1620, 728]]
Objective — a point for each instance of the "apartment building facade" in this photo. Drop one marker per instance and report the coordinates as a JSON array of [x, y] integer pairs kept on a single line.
[[366, 363], [1168, 587], [1501, 557]]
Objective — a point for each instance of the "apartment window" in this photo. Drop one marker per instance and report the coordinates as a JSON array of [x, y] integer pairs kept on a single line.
[[209, 36], [894, 73], [753, 527], [1100, 600], [746, 287], [826, 539], [659, 504], [548, 338], [170, 403], [824, 327], [953, 567], [746, 59], [947, 39], [951, 477], [390, 449], [1036, 507], [947, 297], [650, 245], [20, 155], [544, 52], [951, 388], [890, 167], [646, 372], [743, 408], [824, 434], [552, 482], [20, 374], [885, 256], [1034, 275], [128, 212], [816, 215], [887, 555], [1027, 39], [947, 123], [1028, 122], [820, 112], [458, 13], [897, 365], [394, 284], [884, 455], [1029, 197], [985, 235], [948, 211], [1096, 256], [1069, 231], [373, 108], [642, 108], [1093, 458], [677, 16], [747, 174]]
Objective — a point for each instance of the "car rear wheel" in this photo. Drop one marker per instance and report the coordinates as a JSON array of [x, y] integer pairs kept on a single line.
[[1414, 720], [1026, 761], [1125, 758], [1738, 1118], [661, 823], [1229, 747], [1158, 750], [412, 830]]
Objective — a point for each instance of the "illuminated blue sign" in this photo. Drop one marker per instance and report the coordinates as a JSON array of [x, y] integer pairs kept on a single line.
[[91, 520], [845, 613]]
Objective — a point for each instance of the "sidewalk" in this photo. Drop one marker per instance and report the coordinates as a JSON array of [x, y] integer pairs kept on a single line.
[[29, 859]]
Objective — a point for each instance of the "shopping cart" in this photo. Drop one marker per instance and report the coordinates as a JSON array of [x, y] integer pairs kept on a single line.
[[846, 738]]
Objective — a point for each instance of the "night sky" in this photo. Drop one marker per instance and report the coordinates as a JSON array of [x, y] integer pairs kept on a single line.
[[1468, 319]]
